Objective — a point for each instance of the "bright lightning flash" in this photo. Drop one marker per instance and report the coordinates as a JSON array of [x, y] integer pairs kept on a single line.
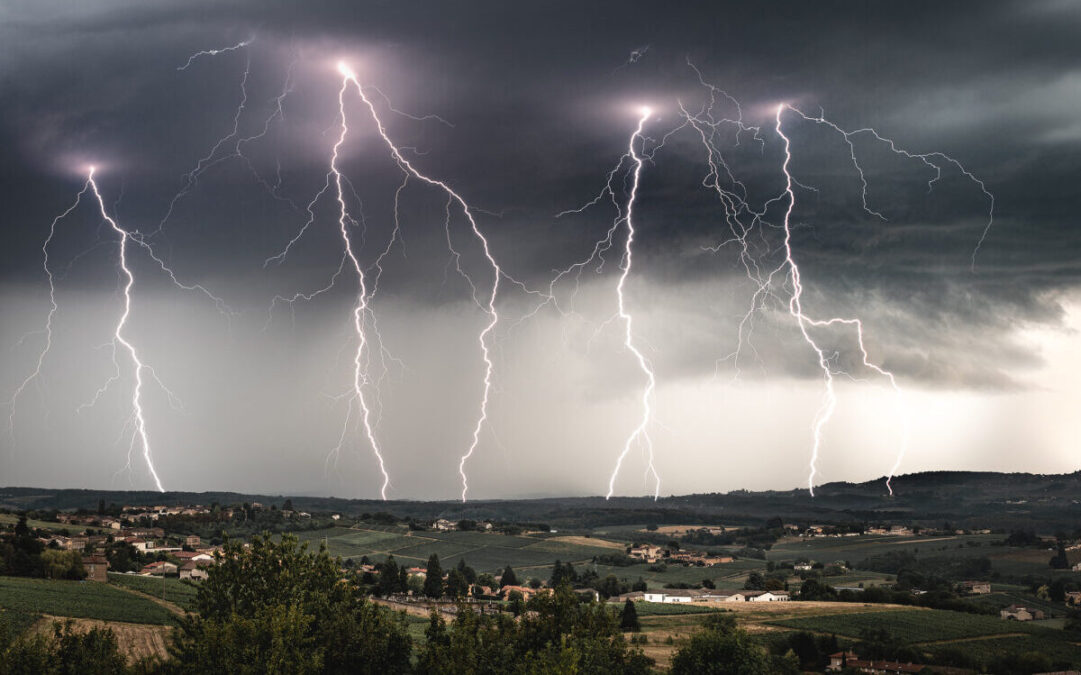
[[497, 273], [640, 434], [136, 396]]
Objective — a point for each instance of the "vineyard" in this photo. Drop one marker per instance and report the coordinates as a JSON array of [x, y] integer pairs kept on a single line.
[[79, 599]]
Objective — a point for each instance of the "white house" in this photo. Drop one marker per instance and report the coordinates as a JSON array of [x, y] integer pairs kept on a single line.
[[767, 596], [665, 597]]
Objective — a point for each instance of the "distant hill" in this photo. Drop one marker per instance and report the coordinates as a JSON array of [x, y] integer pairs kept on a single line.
[[968, 499]]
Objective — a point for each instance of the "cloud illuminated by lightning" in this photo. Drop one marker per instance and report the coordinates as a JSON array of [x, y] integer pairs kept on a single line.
[[48, 330], [742, 221], [624, 216], [497, 272]]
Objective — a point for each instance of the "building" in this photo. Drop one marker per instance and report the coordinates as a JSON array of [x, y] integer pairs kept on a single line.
[[160, 567], [766, 596], [194, 569], [96, 567], [1016, 613], [193, 556], [843, 660], [526, 591], [192, 540], [1073, 597], [444, 525], [803, 567], [648, 553], [672, 597], [723, 596], [976, 587]]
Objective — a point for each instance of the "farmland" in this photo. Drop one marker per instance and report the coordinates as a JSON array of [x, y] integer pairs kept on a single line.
[[80, 599], [177, 592], [939, 632], [486, 552]]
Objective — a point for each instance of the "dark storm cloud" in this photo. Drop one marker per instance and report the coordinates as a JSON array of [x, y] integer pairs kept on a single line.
[[542, 97]]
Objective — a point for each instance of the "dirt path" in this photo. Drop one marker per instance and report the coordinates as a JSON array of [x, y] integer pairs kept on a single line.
[[175, 609], [136, 640], [977, 638]]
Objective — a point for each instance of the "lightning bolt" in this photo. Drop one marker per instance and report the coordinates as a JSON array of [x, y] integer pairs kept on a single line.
[[215, 52], [118, 334], [362, 305], [742, 220], [53, 307], [640, 432], [497, 272]]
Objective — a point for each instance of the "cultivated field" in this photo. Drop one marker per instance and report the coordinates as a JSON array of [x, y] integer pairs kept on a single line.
[[136, 641], [485, 552], [80, 599], [177, 592]]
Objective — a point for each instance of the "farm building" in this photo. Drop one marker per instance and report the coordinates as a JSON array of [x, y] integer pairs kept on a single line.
[[1016, 613], [96, 566]]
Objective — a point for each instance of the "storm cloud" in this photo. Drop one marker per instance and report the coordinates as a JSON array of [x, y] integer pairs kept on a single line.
[[534, 104]]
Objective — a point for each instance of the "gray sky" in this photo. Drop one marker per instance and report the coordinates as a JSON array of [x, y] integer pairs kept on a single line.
[[540, 101]]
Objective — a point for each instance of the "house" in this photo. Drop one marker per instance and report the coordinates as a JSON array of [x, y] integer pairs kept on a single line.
[[723, 596], [672, 597], [766, 596], [193, 556], [976, 587], [192, 540], [194, 569], [421, 572], [335, 516], [526, 591], [802, 567], [96, 567], [444, 525], [648, 553], [1016, 613], [843, 660], [1073, 597], [160, 567]]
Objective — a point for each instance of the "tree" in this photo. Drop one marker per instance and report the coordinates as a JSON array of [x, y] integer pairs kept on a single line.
[[275, 607], [755, 582], [457, 586], [288, 505], [722, 649], [563, 573], [433, 579], [508, 578], [95, 651], [63, 564], [467, 571], [628, 619], [558, 635]]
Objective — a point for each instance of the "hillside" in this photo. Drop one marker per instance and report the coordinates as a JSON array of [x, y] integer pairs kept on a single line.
[[964, 499]]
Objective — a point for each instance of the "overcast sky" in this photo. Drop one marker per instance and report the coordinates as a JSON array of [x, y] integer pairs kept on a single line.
[[524, 109]]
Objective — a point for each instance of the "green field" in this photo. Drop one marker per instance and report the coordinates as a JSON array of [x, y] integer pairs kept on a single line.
[[80, 599], [484, 551], [8, 519], [910, 625], [14, 623], [176, 591]]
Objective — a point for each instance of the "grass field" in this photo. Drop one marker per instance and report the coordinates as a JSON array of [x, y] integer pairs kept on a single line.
[[14, 623], [485, 552], [910, 626], [80, 599], [176, 591], [8, 519]]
